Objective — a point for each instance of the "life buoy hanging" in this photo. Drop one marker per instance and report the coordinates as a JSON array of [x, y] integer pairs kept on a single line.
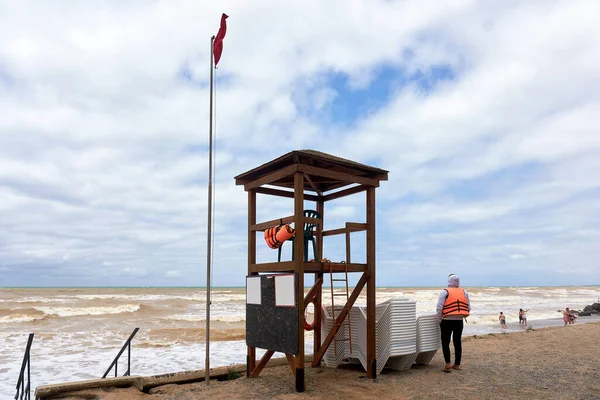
[[307, 326]]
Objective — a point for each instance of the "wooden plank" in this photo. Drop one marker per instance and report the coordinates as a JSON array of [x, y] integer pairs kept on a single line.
[[284, 266], [263, 361], [291, 362], [381, 177], [371, 294], [318, 355], [312, 185], [251, 356], [336, 266], [145, 383], [313, 292], [284, 193], [348, 252], [332, 232], [299, 269], [320, 228], [285, 220], [311, 158], [251, 232], [272, 177], [342, 176], [251, 361], [350, 226], [274, 222], [275, 192], [333, 185], [345, 192], [356, 226]]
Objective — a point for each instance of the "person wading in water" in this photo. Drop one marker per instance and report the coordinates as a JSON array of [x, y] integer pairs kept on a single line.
[[453, 307]]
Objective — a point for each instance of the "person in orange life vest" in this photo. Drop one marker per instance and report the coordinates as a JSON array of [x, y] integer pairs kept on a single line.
[[453, 307]]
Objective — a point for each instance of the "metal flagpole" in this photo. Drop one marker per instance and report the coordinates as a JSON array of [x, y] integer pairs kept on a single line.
[[209, 229]]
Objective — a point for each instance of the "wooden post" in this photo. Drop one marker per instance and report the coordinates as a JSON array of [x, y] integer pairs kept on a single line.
[[319, 275], [291, 362], [371, 297], [299, 269], [263, 362], [251, 357]]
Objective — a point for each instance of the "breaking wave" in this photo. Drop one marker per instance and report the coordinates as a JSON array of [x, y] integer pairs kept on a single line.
[[201, 318], [75, 311], [167, 337]]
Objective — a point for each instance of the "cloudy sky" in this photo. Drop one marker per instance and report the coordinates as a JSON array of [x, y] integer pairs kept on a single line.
[[486, 114]]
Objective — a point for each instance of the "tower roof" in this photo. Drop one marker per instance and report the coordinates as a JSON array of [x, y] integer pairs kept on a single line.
[[324, 171]]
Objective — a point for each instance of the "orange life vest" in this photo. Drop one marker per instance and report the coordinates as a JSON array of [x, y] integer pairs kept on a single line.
[[276, 235], [270, 237], [456, 303]]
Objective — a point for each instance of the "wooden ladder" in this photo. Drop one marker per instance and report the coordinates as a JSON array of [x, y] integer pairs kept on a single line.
[[346, 321]]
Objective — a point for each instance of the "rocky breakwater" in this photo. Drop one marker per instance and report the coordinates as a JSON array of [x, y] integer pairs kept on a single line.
[[589, 310]]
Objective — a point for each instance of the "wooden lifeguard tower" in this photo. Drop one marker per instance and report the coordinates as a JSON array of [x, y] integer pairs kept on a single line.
[[329, 178]]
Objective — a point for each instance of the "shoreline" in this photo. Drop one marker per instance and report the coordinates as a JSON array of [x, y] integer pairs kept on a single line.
[[514, 327], [498, 348]]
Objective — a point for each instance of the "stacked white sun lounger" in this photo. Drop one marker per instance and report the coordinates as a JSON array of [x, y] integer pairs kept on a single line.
[[398, 344], [403, 335], [428, 338]]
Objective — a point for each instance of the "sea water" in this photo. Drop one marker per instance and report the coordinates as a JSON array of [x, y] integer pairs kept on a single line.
[[78, 331]]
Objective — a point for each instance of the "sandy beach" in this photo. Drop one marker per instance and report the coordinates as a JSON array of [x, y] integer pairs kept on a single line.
[[549, 363]]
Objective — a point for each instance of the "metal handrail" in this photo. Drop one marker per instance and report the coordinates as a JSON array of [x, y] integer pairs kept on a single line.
[[115, 361], [21, 388]]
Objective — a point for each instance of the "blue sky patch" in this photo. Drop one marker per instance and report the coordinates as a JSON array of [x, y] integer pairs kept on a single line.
[[352, 102], [6, 80]]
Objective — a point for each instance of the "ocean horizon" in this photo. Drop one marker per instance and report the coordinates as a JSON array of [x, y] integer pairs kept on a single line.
[[306, 286]]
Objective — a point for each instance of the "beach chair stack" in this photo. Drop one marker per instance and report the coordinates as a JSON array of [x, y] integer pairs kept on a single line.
[[402, 328], [337, 352], [396, 332], [428, 338]]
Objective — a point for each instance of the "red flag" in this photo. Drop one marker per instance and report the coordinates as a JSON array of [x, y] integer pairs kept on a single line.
[[218, 46]]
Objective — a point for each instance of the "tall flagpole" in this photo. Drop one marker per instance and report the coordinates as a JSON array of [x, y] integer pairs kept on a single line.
[[209, 229]]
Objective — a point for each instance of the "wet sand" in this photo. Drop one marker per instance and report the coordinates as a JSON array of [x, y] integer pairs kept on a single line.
[[549, 363]]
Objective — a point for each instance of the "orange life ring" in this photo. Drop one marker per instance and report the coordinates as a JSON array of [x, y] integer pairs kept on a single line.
[[307, 326]]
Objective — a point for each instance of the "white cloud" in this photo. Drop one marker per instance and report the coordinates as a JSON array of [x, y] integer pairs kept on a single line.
[[342, 212], [103, 143]]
